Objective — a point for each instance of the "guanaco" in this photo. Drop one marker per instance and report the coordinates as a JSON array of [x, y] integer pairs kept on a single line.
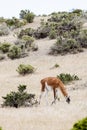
[[53, 83]]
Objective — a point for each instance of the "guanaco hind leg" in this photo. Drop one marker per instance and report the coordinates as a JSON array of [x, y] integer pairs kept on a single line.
[[55, 91], [45, 94]]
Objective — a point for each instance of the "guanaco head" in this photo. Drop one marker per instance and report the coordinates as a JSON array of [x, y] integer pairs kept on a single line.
[[68, 99]]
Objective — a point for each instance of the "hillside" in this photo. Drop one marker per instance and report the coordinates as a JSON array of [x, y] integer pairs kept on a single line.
[[60, 116]]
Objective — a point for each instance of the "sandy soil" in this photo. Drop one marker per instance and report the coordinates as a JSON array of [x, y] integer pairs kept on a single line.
[[60, 116]]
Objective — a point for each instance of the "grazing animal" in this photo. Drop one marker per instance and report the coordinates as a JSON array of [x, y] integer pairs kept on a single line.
[[53, 83]]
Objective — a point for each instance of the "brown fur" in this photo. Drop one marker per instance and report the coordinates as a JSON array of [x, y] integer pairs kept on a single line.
[[54, 83]]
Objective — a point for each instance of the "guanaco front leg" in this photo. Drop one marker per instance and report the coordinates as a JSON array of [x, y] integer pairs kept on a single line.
[[54, 92]]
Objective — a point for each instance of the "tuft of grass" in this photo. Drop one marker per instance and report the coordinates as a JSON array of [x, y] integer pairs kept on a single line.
[[56, 65]]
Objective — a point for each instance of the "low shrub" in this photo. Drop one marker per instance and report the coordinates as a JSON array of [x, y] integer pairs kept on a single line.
[[14, 52], [2, 57], [25, 69], [0, 128], [27, 31], [42, 32], [34, 47], [64, 46], [28, 41], [4, 30], [68, 26], [2, 20], [19, 42], [52, 34], [77, 11], [19, 98], [82, 38], [15, 23], [4, 47], [26, 44], [29, 17], [26, 14], [80, 125], [66, 78]]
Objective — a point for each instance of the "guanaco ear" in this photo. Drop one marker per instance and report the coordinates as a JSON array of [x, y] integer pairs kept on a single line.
[[68, 99]]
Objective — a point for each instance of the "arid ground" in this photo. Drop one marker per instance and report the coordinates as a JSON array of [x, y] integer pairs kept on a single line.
[[60, 116]]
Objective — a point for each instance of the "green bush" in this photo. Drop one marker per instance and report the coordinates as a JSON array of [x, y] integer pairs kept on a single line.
[[14, 22], [0, 128], [52, 34], [28, 40], [82, 38], [42, 31], [27, 31], [29, 43], [2, 20], [22, 13], [64, 46], [77, 11], [26, 14], [19, 98], [68, 26], [72, 45], [25, 69], [4, 47], [80, 125], [29, 17], [14, 52], [66, 78]]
